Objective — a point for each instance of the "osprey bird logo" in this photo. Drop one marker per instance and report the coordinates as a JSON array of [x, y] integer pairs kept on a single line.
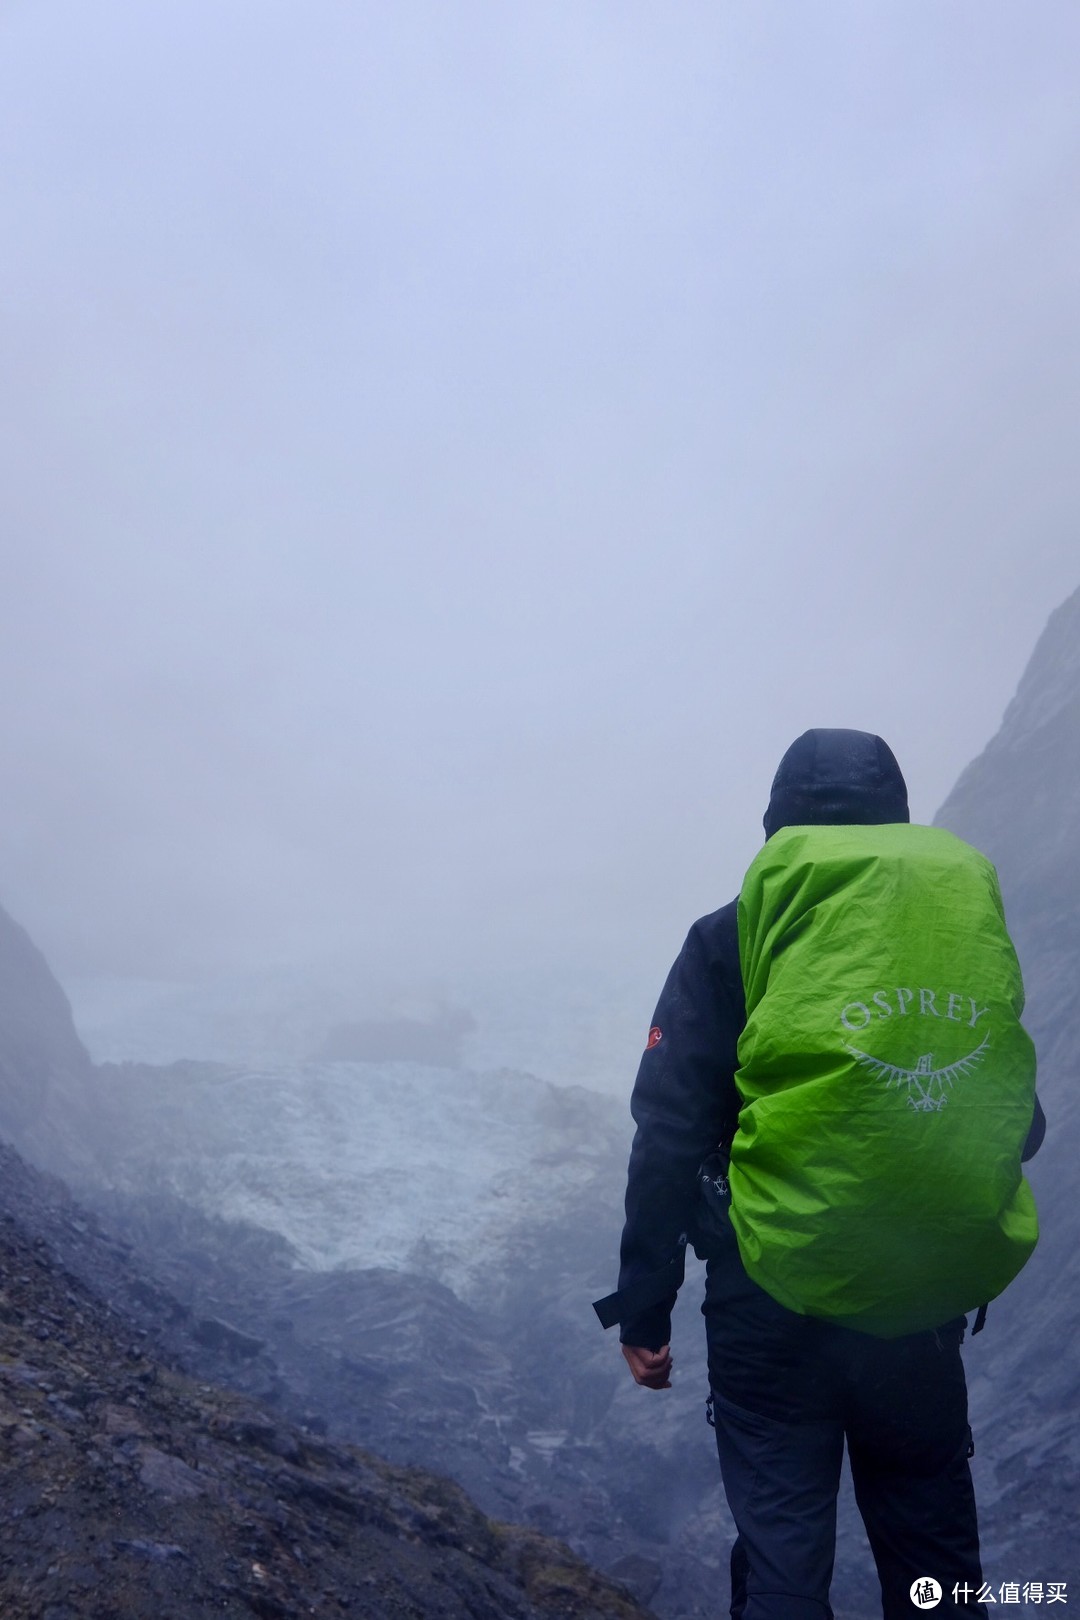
[[926, 1086]]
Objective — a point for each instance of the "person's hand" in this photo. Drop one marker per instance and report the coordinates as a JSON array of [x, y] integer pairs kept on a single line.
[[651, 1368]]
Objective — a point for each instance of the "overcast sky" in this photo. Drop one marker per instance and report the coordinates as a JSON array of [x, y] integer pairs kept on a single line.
[[449, 451]]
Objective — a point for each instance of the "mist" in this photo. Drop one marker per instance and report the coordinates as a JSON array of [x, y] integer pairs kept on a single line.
[[450, 452]]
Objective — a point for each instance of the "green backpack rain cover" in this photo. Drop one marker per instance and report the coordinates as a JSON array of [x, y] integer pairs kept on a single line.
[[887, 1084]]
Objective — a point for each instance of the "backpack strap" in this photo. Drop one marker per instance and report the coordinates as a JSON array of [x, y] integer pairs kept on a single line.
[[980, 1320]]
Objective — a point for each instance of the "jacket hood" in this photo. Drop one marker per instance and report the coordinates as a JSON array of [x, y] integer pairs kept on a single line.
[[842, 778]]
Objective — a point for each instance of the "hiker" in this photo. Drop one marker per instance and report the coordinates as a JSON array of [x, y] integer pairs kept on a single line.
[[855, 1353]]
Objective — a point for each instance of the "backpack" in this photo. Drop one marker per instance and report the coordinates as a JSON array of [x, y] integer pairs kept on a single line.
[[887, 1085]]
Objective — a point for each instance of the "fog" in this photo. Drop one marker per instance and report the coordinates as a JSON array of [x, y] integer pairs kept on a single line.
[[449, 452]]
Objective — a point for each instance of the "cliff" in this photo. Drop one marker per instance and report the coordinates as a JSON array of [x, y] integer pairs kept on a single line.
[[43, 1063], [1019, 801]]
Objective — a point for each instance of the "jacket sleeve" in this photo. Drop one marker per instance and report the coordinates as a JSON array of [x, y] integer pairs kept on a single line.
[[684, 1104]]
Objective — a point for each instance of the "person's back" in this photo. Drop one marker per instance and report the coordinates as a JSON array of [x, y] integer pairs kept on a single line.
[[787, 1385]]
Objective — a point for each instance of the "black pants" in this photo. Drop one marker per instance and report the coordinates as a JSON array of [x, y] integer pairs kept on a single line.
[[787, 1391]]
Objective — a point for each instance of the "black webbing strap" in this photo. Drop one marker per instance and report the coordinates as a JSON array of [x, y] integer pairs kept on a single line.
[[638, 1296], [980, 1320]]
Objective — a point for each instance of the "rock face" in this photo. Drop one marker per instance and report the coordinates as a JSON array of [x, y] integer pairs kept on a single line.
[[43, 1063], [1020, 803]]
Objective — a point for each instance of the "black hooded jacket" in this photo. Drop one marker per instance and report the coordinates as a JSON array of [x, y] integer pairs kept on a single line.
[[685, 1102]]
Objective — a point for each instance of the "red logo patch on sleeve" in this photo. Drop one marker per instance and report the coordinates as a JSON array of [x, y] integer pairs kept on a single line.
[[656, 1035]]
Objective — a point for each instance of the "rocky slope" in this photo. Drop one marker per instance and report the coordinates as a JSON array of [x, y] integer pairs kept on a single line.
[[504, 1185], [519, 1398], [133, 1491]]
